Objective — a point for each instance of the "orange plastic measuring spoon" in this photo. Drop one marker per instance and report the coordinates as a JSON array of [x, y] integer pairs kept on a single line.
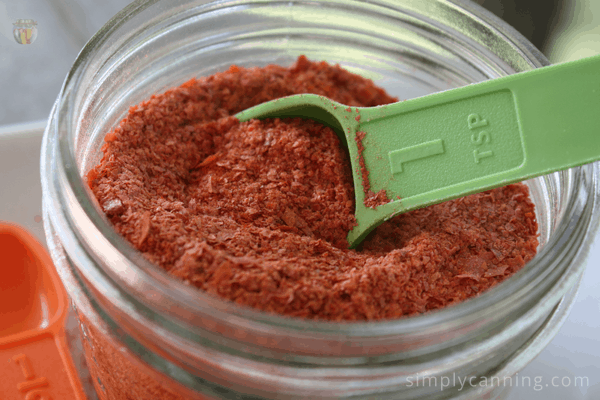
[[35, 363]]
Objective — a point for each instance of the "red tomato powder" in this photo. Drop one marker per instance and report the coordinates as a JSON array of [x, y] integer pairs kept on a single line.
[[258, 212]]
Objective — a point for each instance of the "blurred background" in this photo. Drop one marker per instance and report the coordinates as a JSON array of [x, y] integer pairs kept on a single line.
[[31, 76]]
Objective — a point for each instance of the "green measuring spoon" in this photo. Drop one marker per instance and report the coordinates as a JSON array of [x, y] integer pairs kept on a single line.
[[461, 141]]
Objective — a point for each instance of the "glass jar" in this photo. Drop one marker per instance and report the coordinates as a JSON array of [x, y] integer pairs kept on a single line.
[[148, 336]]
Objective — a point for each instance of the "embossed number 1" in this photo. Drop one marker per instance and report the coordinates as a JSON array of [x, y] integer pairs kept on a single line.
[[423, 150]]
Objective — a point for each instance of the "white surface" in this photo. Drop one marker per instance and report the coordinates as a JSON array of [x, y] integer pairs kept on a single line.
[[20, 185], [574, 353]]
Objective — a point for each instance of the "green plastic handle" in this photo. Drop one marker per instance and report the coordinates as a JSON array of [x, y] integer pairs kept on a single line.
[[450, 144]]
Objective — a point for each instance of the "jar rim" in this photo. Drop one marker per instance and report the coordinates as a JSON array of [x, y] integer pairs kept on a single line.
[[539, 273]]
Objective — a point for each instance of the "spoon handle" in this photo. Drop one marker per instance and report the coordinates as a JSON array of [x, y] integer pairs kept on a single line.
[[35, 358], [40, 367], [466, 140]]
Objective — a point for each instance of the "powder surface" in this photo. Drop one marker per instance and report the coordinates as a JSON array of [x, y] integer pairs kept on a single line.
[[258, 212]]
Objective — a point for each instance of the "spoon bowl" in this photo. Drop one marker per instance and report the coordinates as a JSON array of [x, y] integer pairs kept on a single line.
[[439, 147], [27, 302]]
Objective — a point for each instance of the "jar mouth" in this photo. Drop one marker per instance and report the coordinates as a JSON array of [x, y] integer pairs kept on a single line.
[[148, 287]]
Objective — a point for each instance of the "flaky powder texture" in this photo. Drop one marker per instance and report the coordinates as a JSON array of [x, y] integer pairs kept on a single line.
[[258, 212]]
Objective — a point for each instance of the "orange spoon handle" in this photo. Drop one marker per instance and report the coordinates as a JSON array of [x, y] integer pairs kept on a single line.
[[39, 368], [35, 362]]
